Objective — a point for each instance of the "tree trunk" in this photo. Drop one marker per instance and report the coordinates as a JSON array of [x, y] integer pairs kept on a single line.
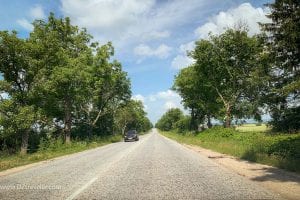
[[228, 116], [209, 125], [90, 127], [24, 145], [123, 129], [193, 123], [68, 121]]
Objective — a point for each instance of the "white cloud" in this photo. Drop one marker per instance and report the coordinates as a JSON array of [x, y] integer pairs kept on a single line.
[[181, 61], [138, 97], [37, 12], [132, 21], [158, 103], [170, 104], [162, 51], [25, 24], [153, 35], [169, 94], [184, 48], [113, 18], [244, 13]]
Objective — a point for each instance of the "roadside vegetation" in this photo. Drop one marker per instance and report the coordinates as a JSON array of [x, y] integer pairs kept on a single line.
[[52, 149], [237, 76], [279, 150], [61, 92]]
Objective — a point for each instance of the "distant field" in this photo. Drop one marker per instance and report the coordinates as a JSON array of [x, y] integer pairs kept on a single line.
[[253, 128]]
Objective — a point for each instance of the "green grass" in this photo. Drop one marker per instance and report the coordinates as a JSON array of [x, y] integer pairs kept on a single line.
[[279, 150], [52, 149], [253, 128]]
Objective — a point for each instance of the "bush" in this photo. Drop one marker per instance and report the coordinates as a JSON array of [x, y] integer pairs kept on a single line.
[[183, 124], [287, 120]]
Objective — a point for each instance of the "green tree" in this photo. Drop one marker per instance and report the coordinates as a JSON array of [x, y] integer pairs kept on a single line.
[[169, 119], [226, 65], [283, 41], [108, 87], [197, 95], [65, 58], [131, 115], [18, 113]]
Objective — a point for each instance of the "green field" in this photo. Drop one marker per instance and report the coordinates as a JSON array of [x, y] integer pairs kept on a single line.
[[253, 128], [279, 150], [53, 149]]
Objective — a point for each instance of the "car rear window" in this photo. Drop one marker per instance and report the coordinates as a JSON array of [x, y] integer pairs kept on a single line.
[[131, 132]]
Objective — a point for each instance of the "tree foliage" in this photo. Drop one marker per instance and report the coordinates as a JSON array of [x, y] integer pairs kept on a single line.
[[57, 83], [283, 41], [240, 76], [169, 119], [222, 79]]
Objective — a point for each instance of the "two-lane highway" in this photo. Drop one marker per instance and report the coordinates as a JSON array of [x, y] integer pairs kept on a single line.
[[152, 168]]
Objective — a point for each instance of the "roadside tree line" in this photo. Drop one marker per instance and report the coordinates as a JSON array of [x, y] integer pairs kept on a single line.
[[238, 76], [59, 83]]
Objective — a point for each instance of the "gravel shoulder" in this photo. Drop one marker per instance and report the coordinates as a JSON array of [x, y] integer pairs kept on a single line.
[[287, 184]]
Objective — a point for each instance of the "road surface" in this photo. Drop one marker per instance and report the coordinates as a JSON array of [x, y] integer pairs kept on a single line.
[[152, 168]]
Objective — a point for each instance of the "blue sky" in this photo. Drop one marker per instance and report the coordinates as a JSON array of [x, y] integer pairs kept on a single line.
[[151, 37]]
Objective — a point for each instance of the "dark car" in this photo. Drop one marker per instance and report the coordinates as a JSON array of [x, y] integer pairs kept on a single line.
[[131, 135]]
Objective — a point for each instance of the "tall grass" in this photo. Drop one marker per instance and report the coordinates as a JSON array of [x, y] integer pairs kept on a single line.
[[279, 150], [52, 148]]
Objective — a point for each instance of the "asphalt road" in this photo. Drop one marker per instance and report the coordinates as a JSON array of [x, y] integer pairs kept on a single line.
[[152, 168]]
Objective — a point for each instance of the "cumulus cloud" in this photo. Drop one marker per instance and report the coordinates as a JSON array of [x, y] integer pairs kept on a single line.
[[132, 21], [139, 97], [187, 47], [169, 94], [113, 18], [182, 60], [170, 104], [162, 51], [25, 24], [243, 14], [37, 12], [153, 35], [160, 102]]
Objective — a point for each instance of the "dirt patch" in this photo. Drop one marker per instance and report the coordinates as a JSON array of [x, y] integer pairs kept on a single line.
[[287, 184]]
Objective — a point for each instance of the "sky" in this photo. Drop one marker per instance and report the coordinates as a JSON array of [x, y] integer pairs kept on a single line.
[[151, 37]]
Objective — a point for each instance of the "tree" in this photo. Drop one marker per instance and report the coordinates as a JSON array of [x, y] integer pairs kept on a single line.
[[132, 116], [197, 96], [65, 57], [18, 113], [283, 41], [226, 65], [108, 87], [169, 119], [183, 124], [58, 83]]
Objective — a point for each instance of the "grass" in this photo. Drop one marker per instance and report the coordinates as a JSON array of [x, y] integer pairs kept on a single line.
[[279, 150], [51, 149], [253, 128]]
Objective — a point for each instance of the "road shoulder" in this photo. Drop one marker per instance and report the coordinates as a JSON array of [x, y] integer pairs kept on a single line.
[[287, 184]]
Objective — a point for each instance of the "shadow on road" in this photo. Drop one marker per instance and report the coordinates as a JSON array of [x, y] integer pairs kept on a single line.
[[277, 175]]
